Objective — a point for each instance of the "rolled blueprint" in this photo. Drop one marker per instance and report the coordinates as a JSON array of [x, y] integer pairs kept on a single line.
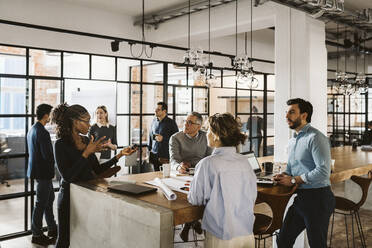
[[169, 194]]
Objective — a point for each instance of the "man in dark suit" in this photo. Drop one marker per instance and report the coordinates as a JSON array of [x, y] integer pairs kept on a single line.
[[41, 168]]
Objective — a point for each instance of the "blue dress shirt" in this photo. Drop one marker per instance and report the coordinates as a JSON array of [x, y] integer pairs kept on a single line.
[[310, 158], [225, 183]]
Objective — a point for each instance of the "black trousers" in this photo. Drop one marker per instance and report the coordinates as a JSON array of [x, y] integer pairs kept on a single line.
[[63, 207], [311, 209], [154, 159]]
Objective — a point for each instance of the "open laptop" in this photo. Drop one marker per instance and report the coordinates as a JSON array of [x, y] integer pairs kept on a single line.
[[262, 177]]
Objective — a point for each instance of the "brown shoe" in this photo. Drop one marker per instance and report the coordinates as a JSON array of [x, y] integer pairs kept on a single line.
[[185, 232], [197, 227]]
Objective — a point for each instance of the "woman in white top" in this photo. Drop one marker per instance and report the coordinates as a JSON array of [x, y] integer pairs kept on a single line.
[[225, 183]]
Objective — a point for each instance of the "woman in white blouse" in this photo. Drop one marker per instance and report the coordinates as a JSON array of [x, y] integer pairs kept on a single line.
[[225, 183]]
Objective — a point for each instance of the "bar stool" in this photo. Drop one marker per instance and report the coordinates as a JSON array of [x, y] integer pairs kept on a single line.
[[350, 208], [264, 225]]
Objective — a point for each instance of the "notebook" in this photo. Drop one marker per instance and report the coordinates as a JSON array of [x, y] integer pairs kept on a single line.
[[132, 189], [262, 177]]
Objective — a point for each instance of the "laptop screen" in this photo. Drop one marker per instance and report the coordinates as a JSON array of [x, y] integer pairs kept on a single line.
[[253, 162]]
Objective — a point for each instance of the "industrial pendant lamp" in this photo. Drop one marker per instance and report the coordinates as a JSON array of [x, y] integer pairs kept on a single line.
[[211, 79], [143, 48], [244, 64], [360, 79], [195, 57]]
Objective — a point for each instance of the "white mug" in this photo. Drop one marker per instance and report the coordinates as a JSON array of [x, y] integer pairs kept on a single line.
[[165, 168], [333, 164]]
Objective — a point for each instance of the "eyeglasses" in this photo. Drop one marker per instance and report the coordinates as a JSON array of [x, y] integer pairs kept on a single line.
[[191, 123], [86, 122]]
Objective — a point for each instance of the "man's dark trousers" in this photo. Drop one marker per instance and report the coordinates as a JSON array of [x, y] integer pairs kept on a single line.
[[43, 205], [154, 159], [311, 209]]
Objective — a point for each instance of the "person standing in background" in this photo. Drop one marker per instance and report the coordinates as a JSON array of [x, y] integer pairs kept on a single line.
[[162, 128], [102, 128], [254, 129], [41, 168]]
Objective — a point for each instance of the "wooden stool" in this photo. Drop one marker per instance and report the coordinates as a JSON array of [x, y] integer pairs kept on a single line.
[[351, 208], [264, 225]]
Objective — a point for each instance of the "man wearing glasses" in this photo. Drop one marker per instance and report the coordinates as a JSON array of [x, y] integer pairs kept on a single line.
[[186, 149]]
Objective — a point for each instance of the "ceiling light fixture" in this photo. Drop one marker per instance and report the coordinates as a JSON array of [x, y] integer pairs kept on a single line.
[[244, 64], [143, 48]]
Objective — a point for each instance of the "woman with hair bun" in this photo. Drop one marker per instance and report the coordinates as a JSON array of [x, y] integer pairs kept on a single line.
[[76, 160], [225, 184]]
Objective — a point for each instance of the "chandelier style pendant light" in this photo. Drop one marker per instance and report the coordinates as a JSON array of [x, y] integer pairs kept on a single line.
[[195, 57], [360, 80], [244, 64], [340, 75], [143, 48], [211, 79]]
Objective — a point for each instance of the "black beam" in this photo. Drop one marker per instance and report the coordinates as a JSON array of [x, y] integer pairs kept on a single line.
[[107, 37]]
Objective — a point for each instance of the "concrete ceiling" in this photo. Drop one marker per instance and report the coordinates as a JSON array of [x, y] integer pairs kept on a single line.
[[134, 8], [127, 7]]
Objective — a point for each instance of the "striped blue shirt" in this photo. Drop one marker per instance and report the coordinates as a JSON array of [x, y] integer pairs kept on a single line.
[[225, 183], [310, 158]]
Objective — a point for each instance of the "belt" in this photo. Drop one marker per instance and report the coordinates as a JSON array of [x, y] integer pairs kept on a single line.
[[313, 190]]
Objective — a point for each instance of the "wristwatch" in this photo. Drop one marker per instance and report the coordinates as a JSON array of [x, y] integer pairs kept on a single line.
[[293, 180]]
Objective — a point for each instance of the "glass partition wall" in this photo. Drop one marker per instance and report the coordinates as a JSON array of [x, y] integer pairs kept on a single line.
[[129, 88]]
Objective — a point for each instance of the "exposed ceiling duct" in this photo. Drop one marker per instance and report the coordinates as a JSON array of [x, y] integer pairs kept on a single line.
[[331, 10], [156, 18]]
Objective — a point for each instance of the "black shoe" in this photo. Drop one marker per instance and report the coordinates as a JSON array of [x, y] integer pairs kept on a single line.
[[197, 227], [42, 240], [53, 234], [185, 232]]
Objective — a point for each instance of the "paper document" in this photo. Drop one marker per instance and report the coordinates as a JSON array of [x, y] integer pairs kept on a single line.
[[169, 194], [174, 184]]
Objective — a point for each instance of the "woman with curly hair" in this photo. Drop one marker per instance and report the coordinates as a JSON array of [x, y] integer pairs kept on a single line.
[[76, 160], [225, 184]]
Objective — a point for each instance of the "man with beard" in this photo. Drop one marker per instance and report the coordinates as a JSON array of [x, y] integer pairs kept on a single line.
[[308, 166], [162, 128]]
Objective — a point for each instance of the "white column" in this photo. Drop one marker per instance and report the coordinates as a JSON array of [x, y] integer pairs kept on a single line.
[[301, 71]]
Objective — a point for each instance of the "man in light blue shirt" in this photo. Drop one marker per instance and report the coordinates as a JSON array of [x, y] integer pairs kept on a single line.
[[309, 167]]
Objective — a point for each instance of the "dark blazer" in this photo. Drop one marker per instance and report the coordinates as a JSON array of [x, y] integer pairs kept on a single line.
[[109, 132], [40, 149], [166, 128]]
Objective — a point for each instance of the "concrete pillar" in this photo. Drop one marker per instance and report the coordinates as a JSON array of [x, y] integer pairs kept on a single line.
[[300, 69]]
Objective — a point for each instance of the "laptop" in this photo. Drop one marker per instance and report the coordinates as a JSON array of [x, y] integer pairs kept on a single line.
[[262, 177], [132, 189]]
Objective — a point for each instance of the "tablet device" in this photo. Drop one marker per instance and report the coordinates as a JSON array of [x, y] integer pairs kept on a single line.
[[132, 189]]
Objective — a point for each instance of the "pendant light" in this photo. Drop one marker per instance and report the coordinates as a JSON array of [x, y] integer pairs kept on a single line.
[[194, 57], [245, 75], [143, 48], [361, 77], [211, 79]]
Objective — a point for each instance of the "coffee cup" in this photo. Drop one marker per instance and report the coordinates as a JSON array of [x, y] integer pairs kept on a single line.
[[165, 168], [268, 167]]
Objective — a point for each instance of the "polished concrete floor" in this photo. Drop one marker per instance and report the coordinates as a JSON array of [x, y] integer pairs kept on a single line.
[[12, 220]]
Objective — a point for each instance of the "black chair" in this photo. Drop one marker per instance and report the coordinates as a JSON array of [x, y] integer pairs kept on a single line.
[[350, 208]]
